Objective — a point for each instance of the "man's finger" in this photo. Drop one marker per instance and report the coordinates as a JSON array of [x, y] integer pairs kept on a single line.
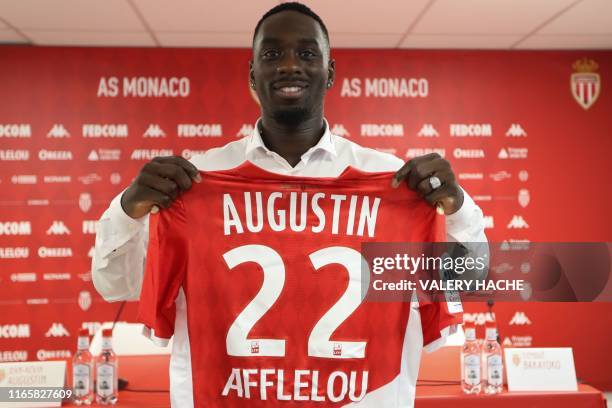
[[423, 171], [401, 174], [191, 170], [173, 172]]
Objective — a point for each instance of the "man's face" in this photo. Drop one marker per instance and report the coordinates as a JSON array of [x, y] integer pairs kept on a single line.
[[291, 67]]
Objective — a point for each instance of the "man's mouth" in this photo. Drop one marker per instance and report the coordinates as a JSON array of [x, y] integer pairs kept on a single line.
[[290, 91]]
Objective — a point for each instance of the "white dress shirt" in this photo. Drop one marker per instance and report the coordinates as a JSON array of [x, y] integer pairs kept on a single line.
[[121, 241]]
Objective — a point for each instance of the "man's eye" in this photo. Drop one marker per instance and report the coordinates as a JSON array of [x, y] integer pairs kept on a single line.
[[308, 54], [270, 54]]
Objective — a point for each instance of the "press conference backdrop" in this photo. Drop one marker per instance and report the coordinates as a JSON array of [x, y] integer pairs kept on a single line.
[[528, 134]]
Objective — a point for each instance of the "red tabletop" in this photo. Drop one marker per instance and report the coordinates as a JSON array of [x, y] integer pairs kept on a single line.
[[151, 373]]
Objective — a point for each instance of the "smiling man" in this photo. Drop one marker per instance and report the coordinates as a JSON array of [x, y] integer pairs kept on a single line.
[[290, 71]]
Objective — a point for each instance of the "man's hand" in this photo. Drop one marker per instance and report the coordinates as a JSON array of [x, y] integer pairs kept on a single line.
[[158, 184], [418, 172]]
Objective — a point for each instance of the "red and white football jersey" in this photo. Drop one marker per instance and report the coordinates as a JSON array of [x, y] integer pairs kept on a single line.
[[271, 270]]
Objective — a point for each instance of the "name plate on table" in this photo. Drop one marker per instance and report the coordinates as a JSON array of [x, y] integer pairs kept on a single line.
[[33, 384], [540, 369]]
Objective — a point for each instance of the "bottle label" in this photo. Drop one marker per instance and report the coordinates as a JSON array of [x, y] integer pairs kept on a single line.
[[471, 366], [470, 334], [494, 370], [81, 373], [106, 380], [107, 343], [83, 343], [491, 334]]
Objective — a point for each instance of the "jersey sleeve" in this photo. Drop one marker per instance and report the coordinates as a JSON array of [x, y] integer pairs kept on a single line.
[[440, 317], [165, 270]]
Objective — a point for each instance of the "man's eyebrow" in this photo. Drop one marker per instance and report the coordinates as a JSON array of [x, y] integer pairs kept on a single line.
[[272, 40]]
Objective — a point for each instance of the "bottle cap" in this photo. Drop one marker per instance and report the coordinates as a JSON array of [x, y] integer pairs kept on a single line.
[[107, 333], [83, 333]]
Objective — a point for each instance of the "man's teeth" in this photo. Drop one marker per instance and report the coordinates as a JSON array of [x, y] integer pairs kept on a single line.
[[291, 89]]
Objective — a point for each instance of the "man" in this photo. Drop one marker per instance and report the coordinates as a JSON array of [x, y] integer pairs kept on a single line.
[[291, 71]]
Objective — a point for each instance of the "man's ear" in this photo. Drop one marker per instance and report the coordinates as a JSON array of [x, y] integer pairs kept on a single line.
[[251, 74], [331, 72]]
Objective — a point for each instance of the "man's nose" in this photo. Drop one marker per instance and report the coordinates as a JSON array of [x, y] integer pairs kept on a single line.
[[289, 64]]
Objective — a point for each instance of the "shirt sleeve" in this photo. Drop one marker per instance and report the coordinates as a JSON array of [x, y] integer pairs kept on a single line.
[[467, 224], [166, 265], [119, 253], [440, 316]]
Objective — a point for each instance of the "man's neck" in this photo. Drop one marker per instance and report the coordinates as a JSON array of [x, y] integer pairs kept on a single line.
[[291, 142]]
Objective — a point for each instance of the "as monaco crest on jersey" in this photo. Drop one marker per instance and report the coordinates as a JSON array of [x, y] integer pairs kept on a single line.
[[585, 82]]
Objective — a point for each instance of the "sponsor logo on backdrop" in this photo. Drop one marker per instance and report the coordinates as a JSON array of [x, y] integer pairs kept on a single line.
[[97, 130], [20, 130], [479, 319], [37, 301], [57, 330], [517, 222], [339, 130], [482, 197], [104, 155], [85, 202], [90, 226], [523, 175], [518, 341], [89, 178], [245, 130], [23, 277], [413, 152], [43, 355], [115, 178], [525, 267], [516, 130], [84, 300], [14, 253], [390, 150], [523, 197], [471, 130], [585, 82], [58, 228], [15, 331], [513, 153], [384, 129], [58, 131], [199, 130], [427, 130], [14, 155], [85, 277], [500, 175], [24, 179], [154, 131], [502, 268], [54, 252], [12, 356], [37, 202], [57, 179], [91, 252], [489, 221], [149, 154], [514, 245], [143, 87], [459, 153], [15, 228], [188, 153], [50, 276], [470, 176], [54, 155], [384, 88]]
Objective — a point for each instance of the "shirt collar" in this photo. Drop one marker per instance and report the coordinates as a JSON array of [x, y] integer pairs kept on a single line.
[[326, 143]]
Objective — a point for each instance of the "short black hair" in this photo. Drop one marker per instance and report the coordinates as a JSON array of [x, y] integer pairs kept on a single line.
[[292, 6]]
